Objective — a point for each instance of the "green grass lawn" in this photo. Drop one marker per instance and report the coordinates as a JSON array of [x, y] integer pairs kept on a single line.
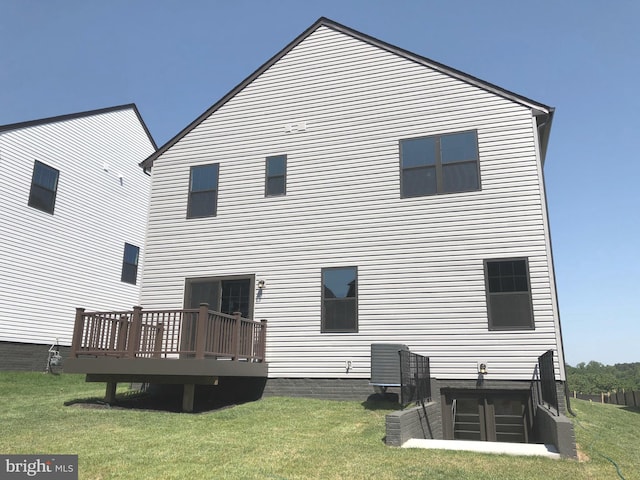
[[275, 438]]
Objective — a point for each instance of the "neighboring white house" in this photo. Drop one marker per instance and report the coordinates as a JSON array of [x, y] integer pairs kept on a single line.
[[73, 218], [351, 193]]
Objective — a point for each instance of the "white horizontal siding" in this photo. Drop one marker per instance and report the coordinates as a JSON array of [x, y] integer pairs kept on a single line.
[[73, 258], [420, 260]]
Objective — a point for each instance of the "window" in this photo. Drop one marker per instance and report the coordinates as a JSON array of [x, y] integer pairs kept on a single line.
[[276, 176], [130, 263], [439, 164], [203, 191], [44, 186], [227, 294], [340, 299], [508, 294]]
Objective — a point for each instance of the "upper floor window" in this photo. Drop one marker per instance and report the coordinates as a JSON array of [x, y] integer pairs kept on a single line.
[[130, 263], [508, 294], [439, 164], [276, 176], [44, 186], [203, 191], [340, 299]]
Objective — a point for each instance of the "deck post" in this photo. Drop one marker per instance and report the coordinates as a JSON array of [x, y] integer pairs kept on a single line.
[[134, 332], [201, 330], [78, 327], [262, 350], [110, 395], [188, 396], [236, 335]]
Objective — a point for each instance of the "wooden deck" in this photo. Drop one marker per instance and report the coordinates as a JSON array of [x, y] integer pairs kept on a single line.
[[189, 347]]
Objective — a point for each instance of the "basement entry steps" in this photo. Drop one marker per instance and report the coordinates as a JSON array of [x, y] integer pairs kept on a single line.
[[526, 449]]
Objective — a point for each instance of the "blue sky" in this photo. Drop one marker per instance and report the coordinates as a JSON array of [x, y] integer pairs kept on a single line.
[[174, 59]]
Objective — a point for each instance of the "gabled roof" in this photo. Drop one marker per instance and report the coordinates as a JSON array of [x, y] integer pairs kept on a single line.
[[72, 116], [537, 108]]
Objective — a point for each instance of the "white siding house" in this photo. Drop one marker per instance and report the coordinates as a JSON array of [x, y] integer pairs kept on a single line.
[[72, 195], [350, 192]]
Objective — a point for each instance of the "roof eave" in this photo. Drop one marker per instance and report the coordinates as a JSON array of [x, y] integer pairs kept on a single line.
[[544, 131], [323, 21], [73, 116], [441, 68], [148, 163]]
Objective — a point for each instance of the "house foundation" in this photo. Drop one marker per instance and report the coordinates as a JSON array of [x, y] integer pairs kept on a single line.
[[26, 357], [321, 388]]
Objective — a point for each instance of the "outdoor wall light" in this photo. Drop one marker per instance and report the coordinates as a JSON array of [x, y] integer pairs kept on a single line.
[[482, 369], [261, 284]]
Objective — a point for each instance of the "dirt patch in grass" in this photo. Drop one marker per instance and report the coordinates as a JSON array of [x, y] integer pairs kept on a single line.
[[582, 456], [151, 401]]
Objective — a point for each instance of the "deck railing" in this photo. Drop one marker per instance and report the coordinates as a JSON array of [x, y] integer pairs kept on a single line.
[[189, 333]]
